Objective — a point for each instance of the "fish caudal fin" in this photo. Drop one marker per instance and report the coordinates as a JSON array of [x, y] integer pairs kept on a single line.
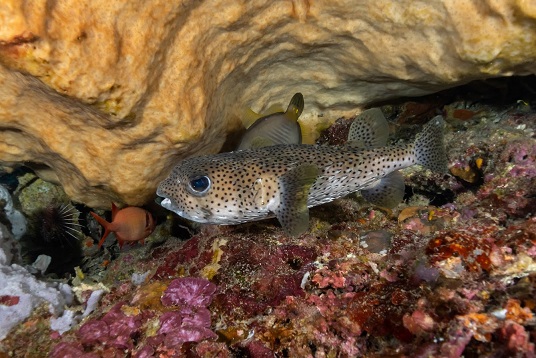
[[292, 212], [369, 130], [295, 107], [429, 146], [106, 226], [387, 192]]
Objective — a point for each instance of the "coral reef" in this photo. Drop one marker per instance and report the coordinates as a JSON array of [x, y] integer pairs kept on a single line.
[[450, 272], [105, 96]]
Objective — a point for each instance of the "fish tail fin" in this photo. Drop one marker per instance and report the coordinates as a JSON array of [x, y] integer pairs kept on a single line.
[[295, 107], [430, 148], [106, 226]]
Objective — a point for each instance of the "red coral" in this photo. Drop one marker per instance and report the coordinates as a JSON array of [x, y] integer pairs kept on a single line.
[[261, 275], [94, 331], [380, 311], [256, 349], [70, 350], [473, 248], [517, 339], [174, 258], [8, 300], [418, 322]]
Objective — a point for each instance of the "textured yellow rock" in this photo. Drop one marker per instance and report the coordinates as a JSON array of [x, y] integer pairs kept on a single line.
[[105, 96]]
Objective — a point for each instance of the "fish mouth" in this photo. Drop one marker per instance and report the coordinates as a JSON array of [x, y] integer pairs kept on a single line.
[[163, 200], [167, 204], [201, 217]]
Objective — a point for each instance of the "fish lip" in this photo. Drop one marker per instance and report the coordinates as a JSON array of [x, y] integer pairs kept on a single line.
[[167, 204], [203, 217], [160, 192]]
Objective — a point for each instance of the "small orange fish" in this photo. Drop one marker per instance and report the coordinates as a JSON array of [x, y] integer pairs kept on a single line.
[[128, 224]]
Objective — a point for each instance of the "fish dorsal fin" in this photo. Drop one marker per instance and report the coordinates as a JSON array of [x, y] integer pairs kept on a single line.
[[387, 192], [292, 212], [274, 108], [295, 107], [115, 210], [369, 130], [277, 128], [248, 117]]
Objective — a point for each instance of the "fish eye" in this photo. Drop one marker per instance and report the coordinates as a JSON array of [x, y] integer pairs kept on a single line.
[[200, 184]]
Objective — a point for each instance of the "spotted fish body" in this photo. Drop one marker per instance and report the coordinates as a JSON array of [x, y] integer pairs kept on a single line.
[[285, 180]]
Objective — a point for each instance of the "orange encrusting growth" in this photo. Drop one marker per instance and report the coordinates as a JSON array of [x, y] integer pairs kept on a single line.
[[128, 224]]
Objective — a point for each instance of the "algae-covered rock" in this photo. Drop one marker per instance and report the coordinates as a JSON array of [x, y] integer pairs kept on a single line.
[[38, 193]]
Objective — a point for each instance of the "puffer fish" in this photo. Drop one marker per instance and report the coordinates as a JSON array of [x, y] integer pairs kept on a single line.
[[286, 180], [128, 224], [276, 128]]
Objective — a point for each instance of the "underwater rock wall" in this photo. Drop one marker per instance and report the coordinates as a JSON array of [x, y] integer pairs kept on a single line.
[[104, 97]]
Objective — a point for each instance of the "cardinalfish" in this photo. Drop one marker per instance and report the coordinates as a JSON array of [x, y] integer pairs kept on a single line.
[[285, 180], [129, 224]]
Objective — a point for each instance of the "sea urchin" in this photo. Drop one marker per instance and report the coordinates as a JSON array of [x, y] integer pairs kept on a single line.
[[58, 223], [54, 231]]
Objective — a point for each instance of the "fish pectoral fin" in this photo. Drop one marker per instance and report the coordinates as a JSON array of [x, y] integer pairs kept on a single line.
[[292, 212], [260, 192], [387, 192], [259, 142], [369, 130]]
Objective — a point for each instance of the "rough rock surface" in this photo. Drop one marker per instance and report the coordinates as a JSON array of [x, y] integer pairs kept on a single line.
[[104, 96], [450, 272]]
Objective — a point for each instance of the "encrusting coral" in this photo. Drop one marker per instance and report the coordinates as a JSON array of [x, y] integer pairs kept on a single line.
[[105, 96]]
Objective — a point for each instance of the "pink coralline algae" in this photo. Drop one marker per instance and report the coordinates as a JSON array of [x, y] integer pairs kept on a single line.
[[109, 335], [179, 327], [115, 329], [521, 155], [189, 292], [190, 322], [187, 319]]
